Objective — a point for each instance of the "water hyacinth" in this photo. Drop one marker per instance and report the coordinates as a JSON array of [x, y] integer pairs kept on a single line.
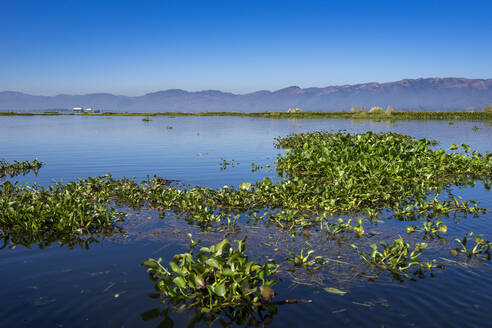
[[16, 168], [61, 213], [333, 183], [352, 172], [323, 174], [480, 249], [397, 258], [216, 277]]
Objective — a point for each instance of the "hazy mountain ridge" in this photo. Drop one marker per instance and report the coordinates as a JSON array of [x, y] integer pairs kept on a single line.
[[417, 94]]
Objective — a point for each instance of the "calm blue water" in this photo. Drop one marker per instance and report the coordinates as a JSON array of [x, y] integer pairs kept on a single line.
[[58, 287]]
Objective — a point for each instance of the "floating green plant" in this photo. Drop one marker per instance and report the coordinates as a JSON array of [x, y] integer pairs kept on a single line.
[[339, 172], [216, 277], [255, 167], [481, 247], [430, 228], [305, 260], [322, 175], [342, 226], [332, 183], [16, 168], [68, 214], [223, 164], [397, 257]]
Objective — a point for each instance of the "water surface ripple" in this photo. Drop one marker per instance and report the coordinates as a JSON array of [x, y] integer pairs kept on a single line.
[[59, 287]]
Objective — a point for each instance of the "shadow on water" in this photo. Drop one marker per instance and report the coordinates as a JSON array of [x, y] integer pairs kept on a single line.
[[42, 241], [245, 316]]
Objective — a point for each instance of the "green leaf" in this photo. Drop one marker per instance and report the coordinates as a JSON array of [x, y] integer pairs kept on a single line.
[[212, 262], [174, 266], [180, 282], [224, 244], [150, 264], [245, 186], [334, 291], [199, 282], [220, 290]]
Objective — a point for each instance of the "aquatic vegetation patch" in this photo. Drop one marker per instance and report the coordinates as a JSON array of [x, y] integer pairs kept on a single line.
[[480, 249], [223, 164], [216, 277], [431, 229], [322, 175], [334, 184], [70, 214], [325, 174], [17, 167], [305, 260], [358, 172], [397, 257]]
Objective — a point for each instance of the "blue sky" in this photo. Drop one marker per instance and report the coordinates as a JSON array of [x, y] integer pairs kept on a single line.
[[135, 47]]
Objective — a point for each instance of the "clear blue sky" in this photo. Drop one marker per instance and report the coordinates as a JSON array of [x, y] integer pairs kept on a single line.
[[135, 47]]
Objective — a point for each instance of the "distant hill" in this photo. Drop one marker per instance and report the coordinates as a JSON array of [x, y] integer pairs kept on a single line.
[[414, 94]]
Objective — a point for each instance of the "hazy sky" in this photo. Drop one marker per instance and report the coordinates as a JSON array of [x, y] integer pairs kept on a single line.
[[135, 47]]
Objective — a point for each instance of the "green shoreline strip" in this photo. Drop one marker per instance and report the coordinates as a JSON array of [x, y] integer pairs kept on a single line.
[[394, 115]]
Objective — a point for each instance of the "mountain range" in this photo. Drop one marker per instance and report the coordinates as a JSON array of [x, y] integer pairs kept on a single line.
[[430, 94]]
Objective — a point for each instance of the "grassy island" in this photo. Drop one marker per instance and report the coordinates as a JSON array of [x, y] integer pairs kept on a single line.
[[359, 114]]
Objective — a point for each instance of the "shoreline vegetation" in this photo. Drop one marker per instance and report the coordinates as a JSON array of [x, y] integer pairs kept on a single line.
[[375, 113]]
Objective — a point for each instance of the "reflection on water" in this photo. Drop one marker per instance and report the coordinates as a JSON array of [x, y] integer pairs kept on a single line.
[[237, 316], [96, 279], [45, 240]]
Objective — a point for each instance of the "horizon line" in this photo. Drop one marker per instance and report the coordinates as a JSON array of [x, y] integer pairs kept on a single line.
[[248, 93]]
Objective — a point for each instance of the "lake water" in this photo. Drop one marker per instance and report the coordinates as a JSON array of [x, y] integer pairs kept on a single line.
[[60, 287]]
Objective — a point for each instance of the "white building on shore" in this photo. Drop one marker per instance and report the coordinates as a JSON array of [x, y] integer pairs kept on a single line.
[[88, 110]]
